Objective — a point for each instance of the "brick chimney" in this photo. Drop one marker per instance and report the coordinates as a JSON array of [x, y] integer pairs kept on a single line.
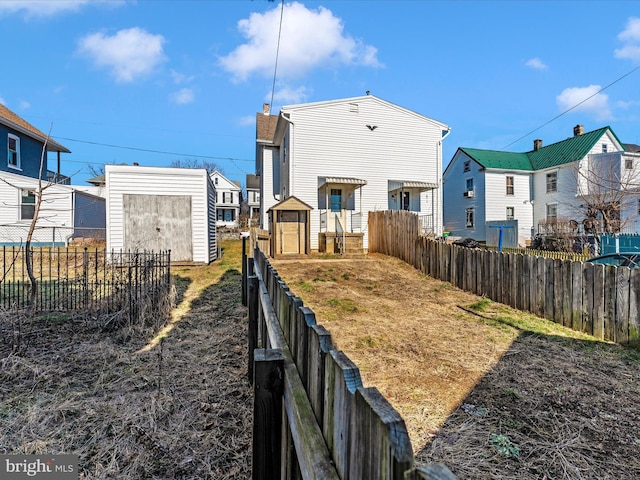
[[578, 130], [265, 108], [537, 143]]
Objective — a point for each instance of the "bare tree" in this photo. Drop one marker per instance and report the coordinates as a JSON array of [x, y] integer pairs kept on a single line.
[[208, 165], [608, 189]]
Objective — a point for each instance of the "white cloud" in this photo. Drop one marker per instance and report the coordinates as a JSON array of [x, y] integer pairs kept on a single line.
[[46, 8], [247, 121], [310, 39], [630, 37], [536, 64], [179, 78], [24, 105], [129, 54], [287, 95], [183, 96], [575, 98], [3, 102]]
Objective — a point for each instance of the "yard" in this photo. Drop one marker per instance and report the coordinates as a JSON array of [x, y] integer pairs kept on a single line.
[[490, 391], [136, 402]]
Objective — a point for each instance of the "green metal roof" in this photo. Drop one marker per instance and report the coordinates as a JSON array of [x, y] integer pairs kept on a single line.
[[500, 160], [566, 151]]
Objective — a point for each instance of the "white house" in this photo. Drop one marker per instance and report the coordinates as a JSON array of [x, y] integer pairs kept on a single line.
[[544, 189], [253, 199], [228, 199], [350, 156], [65, 212], [157, 208]]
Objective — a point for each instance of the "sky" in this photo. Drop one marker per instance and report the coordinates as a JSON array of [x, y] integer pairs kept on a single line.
[[162, 81]]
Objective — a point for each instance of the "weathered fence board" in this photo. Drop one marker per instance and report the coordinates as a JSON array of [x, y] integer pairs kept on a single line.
[[600, 301]]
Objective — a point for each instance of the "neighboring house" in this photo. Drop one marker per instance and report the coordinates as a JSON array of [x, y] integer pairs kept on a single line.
[[253, 199], [157, 208], [21, 145], [228, 200], [346, 157], [543, 190], [65, 213]]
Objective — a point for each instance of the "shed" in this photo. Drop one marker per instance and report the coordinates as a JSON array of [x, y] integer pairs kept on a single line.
[[289, 223], [158, 208]]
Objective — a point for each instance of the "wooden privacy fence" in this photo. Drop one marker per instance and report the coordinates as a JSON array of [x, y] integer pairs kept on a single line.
[[600, 300], [313, 419]]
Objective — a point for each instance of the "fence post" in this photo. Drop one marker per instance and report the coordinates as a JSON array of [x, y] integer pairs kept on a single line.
[[253, 304], [267, 414], [244, 271]]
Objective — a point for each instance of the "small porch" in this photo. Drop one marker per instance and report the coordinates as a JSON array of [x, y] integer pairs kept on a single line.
[[405, 195], [340, 212]]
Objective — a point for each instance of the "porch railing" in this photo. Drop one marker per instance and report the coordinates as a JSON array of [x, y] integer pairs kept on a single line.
[[340, 235]]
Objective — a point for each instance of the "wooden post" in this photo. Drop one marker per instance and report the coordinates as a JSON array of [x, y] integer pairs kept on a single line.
[[244, 271], [268, 387], [253, 304]]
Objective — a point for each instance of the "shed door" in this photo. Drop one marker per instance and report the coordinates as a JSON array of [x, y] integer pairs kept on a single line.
[[159, 222], [291, 231]]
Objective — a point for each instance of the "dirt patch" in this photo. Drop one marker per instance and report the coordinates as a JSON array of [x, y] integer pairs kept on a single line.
[[490, 391], [130, 406]]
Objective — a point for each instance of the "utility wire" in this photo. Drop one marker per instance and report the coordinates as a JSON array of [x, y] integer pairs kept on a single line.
[[153, 151], [571, 108]]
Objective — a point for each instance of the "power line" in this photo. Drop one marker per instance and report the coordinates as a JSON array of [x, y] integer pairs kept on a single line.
[[275, 68], [571, 108], [137, 149]]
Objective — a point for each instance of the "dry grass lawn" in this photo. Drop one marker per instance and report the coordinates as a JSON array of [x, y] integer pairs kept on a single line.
[[490, 391]]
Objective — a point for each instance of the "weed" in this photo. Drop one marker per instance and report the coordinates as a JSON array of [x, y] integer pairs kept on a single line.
[[345, 276], [345, 304], [443, 286], [504, 445], [481, 305], [307, 287], [318, 279], [367, 341], [510, 392]]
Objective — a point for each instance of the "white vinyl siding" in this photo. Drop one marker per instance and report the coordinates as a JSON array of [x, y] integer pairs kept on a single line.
[[329, 139], [127, 180]]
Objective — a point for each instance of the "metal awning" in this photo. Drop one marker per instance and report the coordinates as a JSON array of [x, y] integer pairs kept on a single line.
[[395, 185], [341, 181]]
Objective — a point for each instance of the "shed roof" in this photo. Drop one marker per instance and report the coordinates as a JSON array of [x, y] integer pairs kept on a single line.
[[291, 203], [10, 119]]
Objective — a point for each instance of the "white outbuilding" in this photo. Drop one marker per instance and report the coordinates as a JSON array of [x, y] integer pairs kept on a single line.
[[158, 208]]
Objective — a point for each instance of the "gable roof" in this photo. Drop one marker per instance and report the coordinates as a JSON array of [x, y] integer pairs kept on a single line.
[[265, 127], [11, 120], [232, 184], [291, 203], [559, 153]]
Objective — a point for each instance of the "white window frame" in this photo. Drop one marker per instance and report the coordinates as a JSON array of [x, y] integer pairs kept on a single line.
[[554, 183], [26, 193], [511, 213], [467, 166], [628, 163], [18, 163], [554, 207], [469, 187], [470, 220], [510, 186]]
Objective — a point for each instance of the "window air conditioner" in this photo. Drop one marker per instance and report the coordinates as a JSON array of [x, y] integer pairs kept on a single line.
[[468, 193]]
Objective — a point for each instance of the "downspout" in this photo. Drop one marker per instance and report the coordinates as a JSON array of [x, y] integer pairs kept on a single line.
[[439, 162], [290, 154]]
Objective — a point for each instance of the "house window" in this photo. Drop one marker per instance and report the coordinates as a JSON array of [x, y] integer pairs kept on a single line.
[[404, 200], [628, 163], [639, 207], [336, 200], [27, 204], [509, 185], [552, 212], [552, 182], [604, 148], [467, 166], [510, 213], [469, 185], [215, 180], [14, 151], [470, 219]]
